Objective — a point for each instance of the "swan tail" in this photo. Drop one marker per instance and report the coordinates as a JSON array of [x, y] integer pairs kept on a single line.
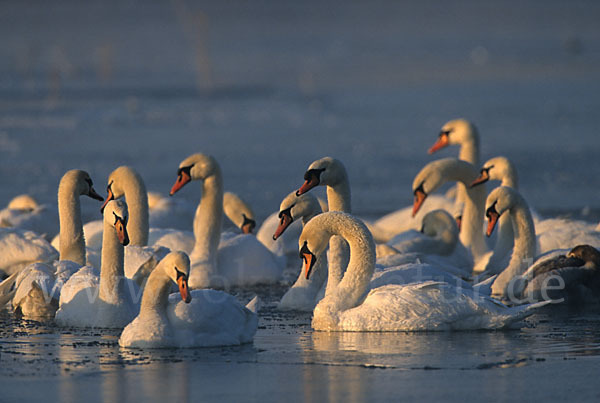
[[254, 304], [4, 299], [8, 284], [485, 287]]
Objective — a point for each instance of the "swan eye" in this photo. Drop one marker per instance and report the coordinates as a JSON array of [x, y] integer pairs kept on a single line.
[[89, 182], [185, 170], [420, 189], [304, 250], [491, 210], [313, 173], [445, 132], [180, 274], [286, 213]]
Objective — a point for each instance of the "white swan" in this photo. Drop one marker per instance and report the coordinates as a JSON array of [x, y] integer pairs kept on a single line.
[[25, 213], [239, 260], [199, 318], [167, 212], [20, 248], [428, 305], [506, 200], [436, 173], [304, 293], [38, 286], [108, 299], [438, 236], [331, 173], [463, 133]]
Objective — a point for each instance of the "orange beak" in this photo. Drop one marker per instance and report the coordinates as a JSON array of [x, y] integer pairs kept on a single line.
[[109, 197], [309, 262], [308, 185], [121, 228], [483, 177], [286, 220], [420, 197], [182, 283], [492, 220], [441, 142], [247, 228], [182, 179]]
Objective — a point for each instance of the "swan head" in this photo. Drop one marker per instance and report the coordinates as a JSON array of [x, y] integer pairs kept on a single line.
[[326, 171], [82, 183], [23, 202], [294, 207], [116, 215], [496, 168], [498, 202], [177, 266], [457, 131], [437, 221], [588, 255], [239, 212], [428, 180], [312, 243], [195, 167], [118, 180]]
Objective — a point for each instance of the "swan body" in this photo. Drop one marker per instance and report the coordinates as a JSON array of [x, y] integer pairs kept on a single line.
[[25, 213], [167, 212], [233, 266], [21, 248], [104, 299], [427, 305], [200, 318], [574, 278], [390, 225]]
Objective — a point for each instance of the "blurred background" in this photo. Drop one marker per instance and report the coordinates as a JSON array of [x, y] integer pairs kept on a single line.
[[269, 86]]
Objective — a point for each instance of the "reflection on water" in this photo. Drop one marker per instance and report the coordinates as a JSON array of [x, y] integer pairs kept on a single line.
[[286, 353]]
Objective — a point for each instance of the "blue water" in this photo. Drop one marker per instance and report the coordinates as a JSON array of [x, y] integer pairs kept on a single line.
[[267, 87]]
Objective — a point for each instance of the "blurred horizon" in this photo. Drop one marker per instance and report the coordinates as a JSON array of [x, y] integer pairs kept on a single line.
[[267, 87]]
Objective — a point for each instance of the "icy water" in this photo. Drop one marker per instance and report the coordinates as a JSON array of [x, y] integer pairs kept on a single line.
[[267, 87]]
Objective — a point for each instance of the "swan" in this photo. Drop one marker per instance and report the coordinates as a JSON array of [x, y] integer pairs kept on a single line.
[[438, 236], [238, 212], [239, 260], [436, 173], [108, 299], [304, 293], [506, 200], [166, 212], [38, 286], [24, 212], [331, 172], [20, 248], [463, 133], [574, 278], [199, 318], [427, 305]]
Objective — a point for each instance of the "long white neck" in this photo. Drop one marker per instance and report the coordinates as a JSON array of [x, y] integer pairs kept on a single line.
[[156, 293], [208, 220], [524, 247], [137, 202], [112, 273], [510, 177], [503, 246], [353, 286], [71, 240], [469, 150], [338, 199], [471, 233]]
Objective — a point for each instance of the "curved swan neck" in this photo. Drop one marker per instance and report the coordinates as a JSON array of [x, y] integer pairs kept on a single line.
[[354, 284], [137, 201], [156, 293], [209, 218], [112, 272], [524, 245], [71, 240], [510, 178], [471, 233]]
